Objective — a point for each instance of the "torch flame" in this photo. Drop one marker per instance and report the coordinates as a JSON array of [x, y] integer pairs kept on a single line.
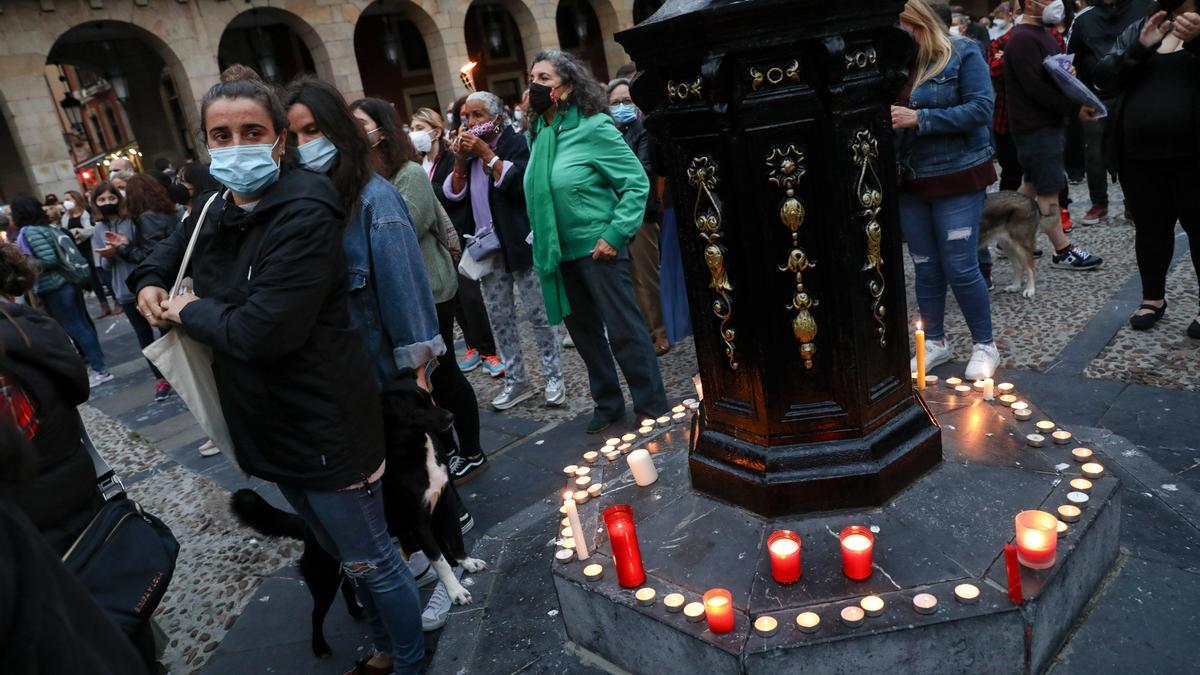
[[468, 67]]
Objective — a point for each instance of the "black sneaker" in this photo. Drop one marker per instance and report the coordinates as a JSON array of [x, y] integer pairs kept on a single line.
[[991, 285], [1075, 258], [465, 469], [465, 521]]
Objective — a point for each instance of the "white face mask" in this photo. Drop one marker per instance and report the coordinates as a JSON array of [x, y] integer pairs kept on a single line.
[[420, 140], [69, 205], [955, 30], [1054, 13], [999, 23]]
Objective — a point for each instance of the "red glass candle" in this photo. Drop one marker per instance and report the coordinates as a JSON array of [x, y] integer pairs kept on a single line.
[[784, 547], [1014, 574], [627, 557], [718, 610], [1037, 539], [857, 546]]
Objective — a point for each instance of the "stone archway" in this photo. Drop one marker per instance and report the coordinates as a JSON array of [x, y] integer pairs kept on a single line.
[[13, 179], [498, 41], [402, 56], [278, 44], [580, 33]]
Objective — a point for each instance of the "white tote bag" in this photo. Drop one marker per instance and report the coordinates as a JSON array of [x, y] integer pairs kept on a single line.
[[187, 364]]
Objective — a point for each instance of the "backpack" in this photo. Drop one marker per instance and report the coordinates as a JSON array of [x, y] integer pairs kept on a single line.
[[71, 264]]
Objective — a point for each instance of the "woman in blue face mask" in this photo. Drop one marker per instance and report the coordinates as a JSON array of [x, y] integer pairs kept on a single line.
[[271, 300]]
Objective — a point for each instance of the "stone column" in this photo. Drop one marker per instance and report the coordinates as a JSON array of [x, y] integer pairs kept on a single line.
[[334, 59], [32, 119], [614, 16], [446, 42]]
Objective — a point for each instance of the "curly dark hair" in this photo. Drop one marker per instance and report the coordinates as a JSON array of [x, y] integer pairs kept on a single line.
[[586, 92], [394, 148], [17, 271], [143, 193]]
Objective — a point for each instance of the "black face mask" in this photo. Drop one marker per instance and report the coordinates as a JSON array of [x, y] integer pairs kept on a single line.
[[539, 98], [110, 210]]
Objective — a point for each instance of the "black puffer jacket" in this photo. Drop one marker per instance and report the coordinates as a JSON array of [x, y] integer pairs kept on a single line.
[[62, 498], [296, 385]]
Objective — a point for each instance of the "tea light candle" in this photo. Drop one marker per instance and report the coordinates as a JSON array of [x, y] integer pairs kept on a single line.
[[565, 532], [582, 471], [1068, 513], [962, 390], [784, 547], [646, 431], [673, 602], [1007, 400], [583, 483], [647, 422], [624, 448], [612, 442], [989, 389], [808, 622], [1081, 485], [689, 402], [1005, 388], [1035, 440], [1046, 426], [1078, 499], [663, 421], [645, 596], [593, 572], [857, 544], [580, 496], [567, 542], [612, 456], [967, 594], [566, 522], [570, 469], [694, 611], [925, 603], [1082, 455], [679, 409], [679, 418], [953, 382], [1019, 405], [694, 405], [564, 555], [1022, 414], [642, 466], [1061, 437], [627, 438], [591, 456], [1037, 539], [718, 609], [872, 605], [1092, 470], [852, 616], [1062, 529], [766, 626], [931, 380], [594, 490]]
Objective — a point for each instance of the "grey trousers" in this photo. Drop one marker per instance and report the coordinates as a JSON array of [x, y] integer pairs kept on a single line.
[[499, 296], [601, 296]]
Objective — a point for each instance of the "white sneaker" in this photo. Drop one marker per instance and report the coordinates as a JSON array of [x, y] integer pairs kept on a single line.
[[556, 391], [422, 571], [96, 379], [434, 615], [937, 352], [567, 341], [985, 359], [209, 449], [512, 394]]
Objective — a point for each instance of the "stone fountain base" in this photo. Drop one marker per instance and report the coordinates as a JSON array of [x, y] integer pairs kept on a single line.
[[947, 528]]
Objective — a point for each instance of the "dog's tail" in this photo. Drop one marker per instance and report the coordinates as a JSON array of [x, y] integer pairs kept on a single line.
[[251, 509]]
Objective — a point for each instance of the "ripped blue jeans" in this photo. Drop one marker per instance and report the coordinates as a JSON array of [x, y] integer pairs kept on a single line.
[[943, 241], [350, 524]]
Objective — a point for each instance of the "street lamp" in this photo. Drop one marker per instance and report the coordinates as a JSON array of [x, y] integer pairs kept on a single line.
[[391, 41], [120, 84], [266, 54], [73, 109]]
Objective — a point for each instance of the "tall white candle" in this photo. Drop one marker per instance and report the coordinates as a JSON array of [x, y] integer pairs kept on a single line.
[[989, 389], [581, 550], [642, 466]]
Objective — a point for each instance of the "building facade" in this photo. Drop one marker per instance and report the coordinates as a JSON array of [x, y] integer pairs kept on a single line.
[[159, 57]]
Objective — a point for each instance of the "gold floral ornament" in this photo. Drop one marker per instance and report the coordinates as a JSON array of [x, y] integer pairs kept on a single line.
[[702, 175], [869, 193], [774, 75], [682, 91], [786, 168]]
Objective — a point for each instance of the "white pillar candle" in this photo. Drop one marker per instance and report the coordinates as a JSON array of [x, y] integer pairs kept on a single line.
[[642, 466], [989, 389], [581, 549]]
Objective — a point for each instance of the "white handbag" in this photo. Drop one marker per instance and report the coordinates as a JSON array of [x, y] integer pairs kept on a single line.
[[187, 364]]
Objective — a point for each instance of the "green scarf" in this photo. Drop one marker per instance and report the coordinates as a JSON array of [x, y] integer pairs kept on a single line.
[[539, 200]]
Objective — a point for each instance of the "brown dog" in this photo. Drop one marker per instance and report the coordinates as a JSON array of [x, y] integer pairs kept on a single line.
[[1011, 220]]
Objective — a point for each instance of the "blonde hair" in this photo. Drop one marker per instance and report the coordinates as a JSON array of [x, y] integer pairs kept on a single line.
[[933, 44], [430, 117]]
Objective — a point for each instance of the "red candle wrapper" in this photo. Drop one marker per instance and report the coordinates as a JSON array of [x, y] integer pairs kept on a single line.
[[718, 610], [857, 546], [627, 556], [1014, 574], [784, 548]]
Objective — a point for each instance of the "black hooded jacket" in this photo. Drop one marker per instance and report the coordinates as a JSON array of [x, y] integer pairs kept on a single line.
[[1095, 32], [296, 385], [62, 497]]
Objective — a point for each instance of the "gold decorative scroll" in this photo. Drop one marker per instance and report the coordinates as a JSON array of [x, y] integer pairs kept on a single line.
[[682, 91], [786, 168], [774, 75], [869, 193], [861, 59], [702, 175]]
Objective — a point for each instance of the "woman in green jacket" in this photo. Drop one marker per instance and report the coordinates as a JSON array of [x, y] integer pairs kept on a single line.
[[586, 195]]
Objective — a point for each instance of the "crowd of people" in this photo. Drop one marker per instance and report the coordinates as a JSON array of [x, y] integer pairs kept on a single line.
[[346, 242]]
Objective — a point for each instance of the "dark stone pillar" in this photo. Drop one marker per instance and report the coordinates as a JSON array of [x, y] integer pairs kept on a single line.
[[773, 120]]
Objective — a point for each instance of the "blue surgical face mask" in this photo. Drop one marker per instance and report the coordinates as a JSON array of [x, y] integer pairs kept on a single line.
[[245, 169], [623, 113], [317, 154]]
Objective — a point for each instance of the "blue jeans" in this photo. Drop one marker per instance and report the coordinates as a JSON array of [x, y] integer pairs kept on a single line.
[[943, 241], [350, 524], [66, 307]]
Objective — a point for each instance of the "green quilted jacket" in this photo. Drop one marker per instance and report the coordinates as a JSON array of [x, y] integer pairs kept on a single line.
[[41, 242]]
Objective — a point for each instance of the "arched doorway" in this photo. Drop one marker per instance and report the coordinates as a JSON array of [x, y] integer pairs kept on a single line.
[[642, 9], [393, 58], [494, 45], [121, 82], [275, 43], [579, 33], [13, 179]]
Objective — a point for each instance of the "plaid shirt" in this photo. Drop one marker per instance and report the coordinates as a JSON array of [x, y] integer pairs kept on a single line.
[[996, 61], [15, 405]]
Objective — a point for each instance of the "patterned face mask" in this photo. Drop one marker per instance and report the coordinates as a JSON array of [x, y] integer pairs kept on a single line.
[[486, 131]]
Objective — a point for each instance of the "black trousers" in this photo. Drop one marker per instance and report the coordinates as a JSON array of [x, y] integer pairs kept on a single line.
[[1010, 166], [142, 329], [450, 387], [1159, 194], [473, 317]]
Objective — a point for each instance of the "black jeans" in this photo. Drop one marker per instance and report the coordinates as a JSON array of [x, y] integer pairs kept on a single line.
[[1159, 194], [451, 390], [1010, 166], [1097, 172], [473, 317], [142, 329], [601, 296]]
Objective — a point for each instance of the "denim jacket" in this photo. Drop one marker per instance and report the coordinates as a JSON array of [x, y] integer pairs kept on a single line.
[[954, 117], [390, 300]]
